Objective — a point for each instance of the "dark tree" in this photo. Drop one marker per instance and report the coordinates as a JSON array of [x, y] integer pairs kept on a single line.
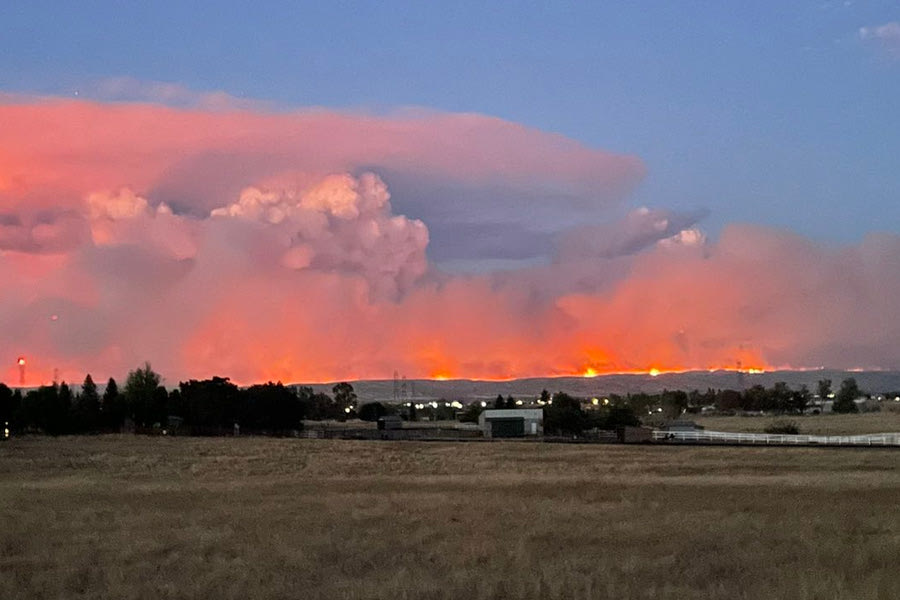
[[112, 407], [619, 415], [209, 407], [799, 400], [780, 397], [755, 398], [674, 402], [545, 396], [16, 418], [642, 402], [44, 409], [277, 409], [6, 406], [510, 402], [321, 406], [63, 412], [728, 400], [499, 403], [372, 411], [565, 415], [344, 396], [844, 400], [823, 389], [175, 405], [471, 413], [142, 399], [86, 411]]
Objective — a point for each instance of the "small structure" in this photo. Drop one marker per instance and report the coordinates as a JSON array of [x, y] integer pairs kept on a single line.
[[389, 422], [512, 423]]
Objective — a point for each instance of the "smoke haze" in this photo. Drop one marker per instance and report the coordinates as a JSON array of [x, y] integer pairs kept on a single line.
[[263, 245]]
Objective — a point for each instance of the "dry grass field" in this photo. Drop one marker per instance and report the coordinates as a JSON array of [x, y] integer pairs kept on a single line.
[[136, 517], [885, 421]]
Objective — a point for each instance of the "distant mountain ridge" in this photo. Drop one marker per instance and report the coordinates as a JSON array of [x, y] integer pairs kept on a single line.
[[467, 390]]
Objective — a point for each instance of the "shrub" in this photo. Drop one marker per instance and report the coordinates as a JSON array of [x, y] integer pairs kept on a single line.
[[785, 427]]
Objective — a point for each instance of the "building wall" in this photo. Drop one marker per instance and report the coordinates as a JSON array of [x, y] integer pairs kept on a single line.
[[533, 419]]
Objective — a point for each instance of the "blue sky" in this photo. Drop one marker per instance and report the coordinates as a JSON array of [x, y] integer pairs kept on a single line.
[[765, 112]]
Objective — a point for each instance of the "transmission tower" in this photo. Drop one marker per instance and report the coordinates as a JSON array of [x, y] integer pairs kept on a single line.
[[396, 387]]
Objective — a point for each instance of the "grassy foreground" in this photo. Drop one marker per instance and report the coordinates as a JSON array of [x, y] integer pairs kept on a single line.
[[134, 517]]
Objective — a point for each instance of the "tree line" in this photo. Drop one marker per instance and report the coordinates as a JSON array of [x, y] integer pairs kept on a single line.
[[778, 399], [217, 406], [206, 407]]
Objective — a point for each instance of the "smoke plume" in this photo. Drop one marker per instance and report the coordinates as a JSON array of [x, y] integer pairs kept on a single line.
[[263, 245]]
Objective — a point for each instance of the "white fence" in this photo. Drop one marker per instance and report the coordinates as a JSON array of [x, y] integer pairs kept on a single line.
[[777, 439]]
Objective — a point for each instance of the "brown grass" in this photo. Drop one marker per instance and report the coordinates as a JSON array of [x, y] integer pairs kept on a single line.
[[886, 421], [132, 517]]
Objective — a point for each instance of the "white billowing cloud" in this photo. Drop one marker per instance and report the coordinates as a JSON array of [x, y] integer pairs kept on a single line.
[[256, 204], [690, 238], [124, 217], [124, 204], [340, 223]]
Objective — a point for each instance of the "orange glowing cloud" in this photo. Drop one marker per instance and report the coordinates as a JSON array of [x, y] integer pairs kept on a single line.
[[265, 245]]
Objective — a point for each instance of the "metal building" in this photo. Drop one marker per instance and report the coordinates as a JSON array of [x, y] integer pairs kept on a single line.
[[511, 423]]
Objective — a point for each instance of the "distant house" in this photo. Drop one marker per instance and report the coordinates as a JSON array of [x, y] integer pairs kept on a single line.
[[512, 423], [817, 407]]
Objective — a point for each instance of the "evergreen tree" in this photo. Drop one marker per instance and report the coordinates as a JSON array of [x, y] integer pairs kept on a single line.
[[62, 415], [86, 411], [112, 407]]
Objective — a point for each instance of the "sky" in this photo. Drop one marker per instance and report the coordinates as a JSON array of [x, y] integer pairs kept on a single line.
[[320, 191]]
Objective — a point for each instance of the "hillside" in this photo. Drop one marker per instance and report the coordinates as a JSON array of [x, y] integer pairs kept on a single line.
[[470, 390]]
